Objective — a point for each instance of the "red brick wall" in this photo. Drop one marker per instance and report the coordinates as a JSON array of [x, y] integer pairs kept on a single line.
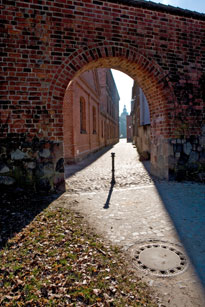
[[45, 44], [129, 128], [84, 143], [68, 122], [92, 88]]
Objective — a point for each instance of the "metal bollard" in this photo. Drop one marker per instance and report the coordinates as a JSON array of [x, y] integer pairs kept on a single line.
[[113, 168]]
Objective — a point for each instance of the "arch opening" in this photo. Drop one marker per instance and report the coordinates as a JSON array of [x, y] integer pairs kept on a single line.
[[171, 76], [157, 92]]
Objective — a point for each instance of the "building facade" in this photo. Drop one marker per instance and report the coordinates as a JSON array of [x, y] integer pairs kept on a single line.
[[129, 128], [123, 123], [91, 123], [140, 122]]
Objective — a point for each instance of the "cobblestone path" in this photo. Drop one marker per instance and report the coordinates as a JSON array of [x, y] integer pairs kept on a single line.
[[134, 215], [96, 174]]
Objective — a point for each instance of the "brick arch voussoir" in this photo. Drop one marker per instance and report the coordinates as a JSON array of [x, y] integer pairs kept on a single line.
[[122, 57]]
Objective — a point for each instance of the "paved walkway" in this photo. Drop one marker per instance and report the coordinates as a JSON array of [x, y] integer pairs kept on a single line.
[[142, 215]]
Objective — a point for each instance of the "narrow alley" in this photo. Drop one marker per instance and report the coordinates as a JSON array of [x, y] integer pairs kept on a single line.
[[94, 173], [141, 215]]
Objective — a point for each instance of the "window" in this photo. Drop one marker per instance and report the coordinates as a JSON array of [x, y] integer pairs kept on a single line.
[[102, 129], [82, 115], [94, 120]]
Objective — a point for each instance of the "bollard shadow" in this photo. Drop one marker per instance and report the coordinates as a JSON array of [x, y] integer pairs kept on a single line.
[[106, 205]]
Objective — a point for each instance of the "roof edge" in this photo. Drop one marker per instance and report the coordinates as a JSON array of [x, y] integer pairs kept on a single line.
[[161, 8]]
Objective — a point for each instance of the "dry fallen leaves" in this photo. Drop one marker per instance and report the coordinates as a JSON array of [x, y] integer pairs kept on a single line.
[[57, 261]]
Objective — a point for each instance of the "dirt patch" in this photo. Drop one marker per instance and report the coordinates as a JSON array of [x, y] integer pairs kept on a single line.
[[54, 258]]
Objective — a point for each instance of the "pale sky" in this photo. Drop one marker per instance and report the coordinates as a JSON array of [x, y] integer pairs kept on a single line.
[[123, 82], [124, 85], [193, 5]]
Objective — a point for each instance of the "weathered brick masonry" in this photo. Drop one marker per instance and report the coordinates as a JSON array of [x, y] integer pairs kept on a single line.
[[83, 134], [44, 44]]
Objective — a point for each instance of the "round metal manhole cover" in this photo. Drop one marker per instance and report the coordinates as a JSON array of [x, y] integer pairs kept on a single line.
[[160, 259]]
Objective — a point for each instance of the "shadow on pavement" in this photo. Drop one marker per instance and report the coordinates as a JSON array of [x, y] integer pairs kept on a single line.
[[106, 205], [18, 208], [185, 204]]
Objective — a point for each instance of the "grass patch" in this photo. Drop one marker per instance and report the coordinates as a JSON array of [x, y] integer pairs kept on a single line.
[[57, 261]]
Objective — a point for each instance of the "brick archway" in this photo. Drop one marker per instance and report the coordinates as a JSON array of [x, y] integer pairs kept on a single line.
[[149, 75], [146, 72], [44, 46]]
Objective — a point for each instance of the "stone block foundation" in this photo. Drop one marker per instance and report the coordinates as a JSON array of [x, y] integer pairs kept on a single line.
[[37, 165], [179, 158]]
